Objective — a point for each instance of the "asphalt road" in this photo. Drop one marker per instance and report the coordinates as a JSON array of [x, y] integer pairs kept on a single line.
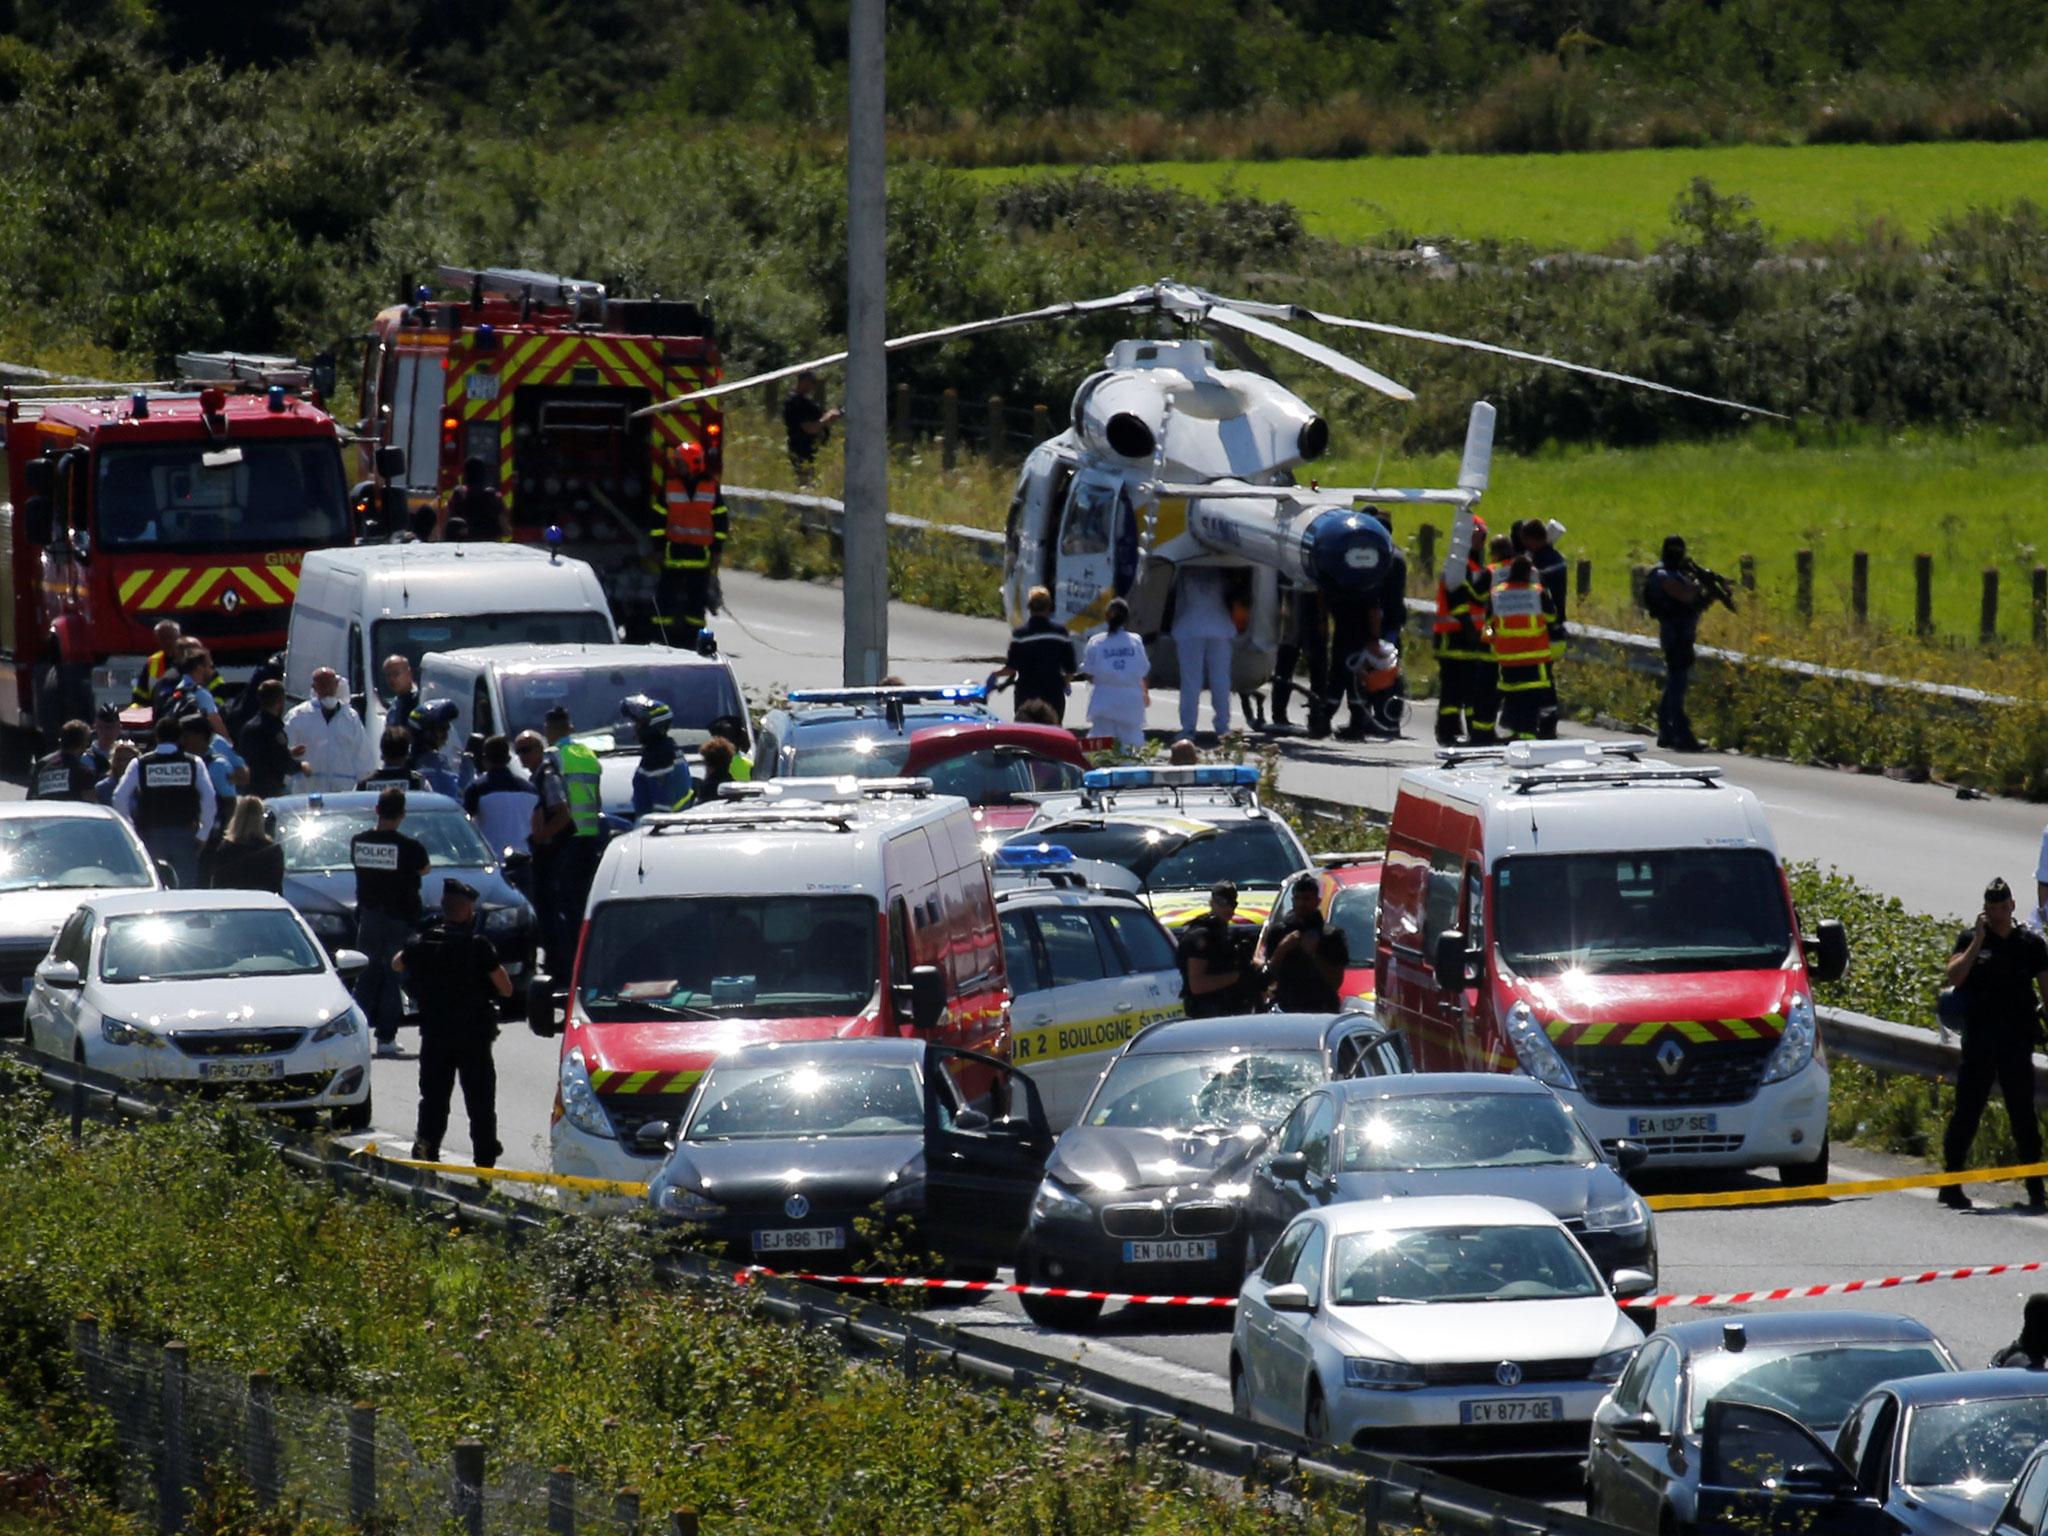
[[1913, 841]]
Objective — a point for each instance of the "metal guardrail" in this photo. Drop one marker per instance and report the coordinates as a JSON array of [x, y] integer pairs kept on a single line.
[[1900, 1048], [1585, 642], [1383, 1492]]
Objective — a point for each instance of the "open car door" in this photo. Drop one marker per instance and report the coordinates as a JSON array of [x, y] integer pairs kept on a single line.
[[1763, 1473], [982, 1163]]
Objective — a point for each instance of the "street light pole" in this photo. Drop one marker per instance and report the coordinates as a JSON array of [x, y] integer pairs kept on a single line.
[[866, 577]]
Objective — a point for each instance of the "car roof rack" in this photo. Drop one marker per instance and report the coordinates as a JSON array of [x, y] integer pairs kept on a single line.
[[1534, 754], [844, 789], [1615, 775], [800, 816]]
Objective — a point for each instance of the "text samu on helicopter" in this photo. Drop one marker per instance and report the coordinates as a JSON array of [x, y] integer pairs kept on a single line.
[[1174, 461]]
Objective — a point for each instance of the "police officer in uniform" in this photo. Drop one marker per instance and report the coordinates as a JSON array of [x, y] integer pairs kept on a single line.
[[67, 773], [456, 978], [2001, 967], [734, 730], [662, 781], [1465, 698], [1216, 977], [570, 822], [1519, 624], [395, 748], [170, 799], [1307, 963], [692, 538], [388, 867], [427, 726]]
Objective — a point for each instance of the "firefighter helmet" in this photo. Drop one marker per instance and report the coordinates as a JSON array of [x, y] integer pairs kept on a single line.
[[689, 457]]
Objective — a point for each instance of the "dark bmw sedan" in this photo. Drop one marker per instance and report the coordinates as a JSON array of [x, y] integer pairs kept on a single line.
[[321, 883], [1145, 1191], [1451, 1133], [802, 1156]]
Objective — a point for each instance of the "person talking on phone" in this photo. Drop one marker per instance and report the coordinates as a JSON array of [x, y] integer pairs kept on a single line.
[[2000, 967]]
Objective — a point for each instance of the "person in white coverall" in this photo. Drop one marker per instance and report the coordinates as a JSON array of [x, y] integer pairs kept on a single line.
[[337, 748], [1203, 634], [1115, 664]]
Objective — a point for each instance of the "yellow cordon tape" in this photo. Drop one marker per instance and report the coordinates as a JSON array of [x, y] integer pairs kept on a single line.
[[514, 1175], [1786, 1195]]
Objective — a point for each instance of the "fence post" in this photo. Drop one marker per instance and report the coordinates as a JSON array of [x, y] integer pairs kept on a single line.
[[1802, 582], [1859, 585], [1987, 616], [996, 431], [1923, 594], [1638, 578], [2041, 605], [172, 1480], [362, 1465], [259, 1447], [626, 1511], [85, 1344], [77, 1102], [1425, 551], [561, 1502], [1745, 572], [468, 1495], [683, 1522], [949, 427], [1041, 423], [1585, 578], [903, 426]]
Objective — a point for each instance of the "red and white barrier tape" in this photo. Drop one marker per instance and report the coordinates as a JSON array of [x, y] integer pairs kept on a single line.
[[1722, 1299]]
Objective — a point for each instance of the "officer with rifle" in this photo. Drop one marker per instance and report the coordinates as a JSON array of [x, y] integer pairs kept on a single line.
[[1676, 592], [1217, 974]]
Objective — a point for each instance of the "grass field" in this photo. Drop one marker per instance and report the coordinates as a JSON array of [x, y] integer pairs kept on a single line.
[[1621, 199]]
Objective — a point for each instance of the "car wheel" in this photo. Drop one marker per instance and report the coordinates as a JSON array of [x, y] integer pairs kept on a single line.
[[1806, 1175], [1240, 1390], [1315, 1423], [1065, 1313], [351, 1118]]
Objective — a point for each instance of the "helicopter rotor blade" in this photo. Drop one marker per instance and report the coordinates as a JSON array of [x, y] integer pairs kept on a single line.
[[1381, 328], [1224, 314], [1130, 298]]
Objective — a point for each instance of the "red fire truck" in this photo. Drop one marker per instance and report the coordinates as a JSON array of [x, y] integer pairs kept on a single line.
[[195, 503], [539, 375]]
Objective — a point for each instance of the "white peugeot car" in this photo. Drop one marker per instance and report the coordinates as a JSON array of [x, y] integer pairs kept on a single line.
[[1434, 1328], [53, 855], [228, 990]]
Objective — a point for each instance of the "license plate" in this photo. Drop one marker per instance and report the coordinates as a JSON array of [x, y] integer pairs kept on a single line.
[[1511, 1410], [240, 1071], [1672, 1125], [1184, 1250], [800, 1240]]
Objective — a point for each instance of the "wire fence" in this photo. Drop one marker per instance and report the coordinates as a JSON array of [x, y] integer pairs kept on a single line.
[[187, 1432]]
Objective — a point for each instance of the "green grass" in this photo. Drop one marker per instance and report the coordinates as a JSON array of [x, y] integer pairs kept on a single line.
[[1621, 198]]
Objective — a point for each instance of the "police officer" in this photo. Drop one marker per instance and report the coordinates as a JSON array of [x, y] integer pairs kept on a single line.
[[2001, 968], [1675, 600], [692, 539], [427, 726], [1519, 622], [67, 773], [400, 684], [1040, 658], [1307, 626], [661, 781], [457, 980], [1538, 539], [1465, 699], [388, 866], [1307, 964], [1216, 979], [106, 736], [570, 820], [170, 799], [734, 730], [395, 748]]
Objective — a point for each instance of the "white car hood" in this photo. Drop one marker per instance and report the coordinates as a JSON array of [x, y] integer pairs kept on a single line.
[[39, 914], [1453, 1333], [244, 1002]]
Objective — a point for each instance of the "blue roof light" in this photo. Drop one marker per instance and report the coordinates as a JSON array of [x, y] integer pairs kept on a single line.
[[1040, 856], [138, 404], [1210, 775], [967, 693]]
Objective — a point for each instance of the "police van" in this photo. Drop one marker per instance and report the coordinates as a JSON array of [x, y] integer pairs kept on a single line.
[[805, 909], [1179, 830], [1619, 929], [1089, 967]]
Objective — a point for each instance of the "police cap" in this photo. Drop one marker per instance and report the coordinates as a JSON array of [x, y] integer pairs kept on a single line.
[[460, 889]]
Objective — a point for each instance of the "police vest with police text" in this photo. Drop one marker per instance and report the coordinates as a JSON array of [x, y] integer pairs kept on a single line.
[[60, 776], [167, 791]]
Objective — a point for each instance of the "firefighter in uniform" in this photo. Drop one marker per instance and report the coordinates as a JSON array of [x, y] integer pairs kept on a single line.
[[692, 539], [66, 774], [1519, 621], [1465, 682], [662, 781], [161, 661], [455, 975]]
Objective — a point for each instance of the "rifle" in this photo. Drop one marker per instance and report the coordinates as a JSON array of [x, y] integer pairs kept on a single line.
[[1714, 587]]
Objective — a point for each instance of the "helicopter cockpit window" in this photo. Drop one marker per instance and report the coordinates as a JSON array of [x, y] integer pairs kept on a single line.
[[1091, 519]]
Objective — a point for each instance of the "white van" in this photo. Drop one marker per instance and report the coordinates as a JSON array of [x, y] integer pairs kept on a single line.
[[506, 689], [357, 606]]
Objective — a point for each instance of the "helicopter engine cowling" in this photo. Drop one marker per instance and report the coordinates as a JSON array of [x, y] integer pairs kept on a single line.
[[1121, 415], [1335, 550]]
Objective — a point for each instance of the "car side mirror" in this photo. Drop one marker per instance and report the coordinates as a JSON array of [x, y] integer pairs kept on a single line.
[[60, 974], [1637, 1427], [971, 1120], [652, 1137], [36, 521], [391, 462], [349, 963], [1633, 1282], [1827, 952], [1289, 1298], [1289, 1165], [545, 1006], [1448, 960], [925, 992], [1630, 1155]]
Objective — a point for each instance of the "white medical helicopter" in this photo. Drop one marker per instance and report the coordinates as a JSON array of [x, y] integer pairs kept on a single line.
[[1174, 461]]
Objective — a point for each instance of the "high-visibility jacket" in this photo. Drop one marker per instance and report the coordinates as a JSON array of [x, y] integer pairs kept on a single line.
[[146, 679], [1460, 616], [585, 783], [696, 520], [1518, 633]]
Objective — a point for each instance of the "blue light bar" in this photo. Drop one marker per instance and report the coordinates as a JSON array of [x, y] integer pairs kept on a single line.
[[1211, 775], [1042, 856], [960, 693]]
